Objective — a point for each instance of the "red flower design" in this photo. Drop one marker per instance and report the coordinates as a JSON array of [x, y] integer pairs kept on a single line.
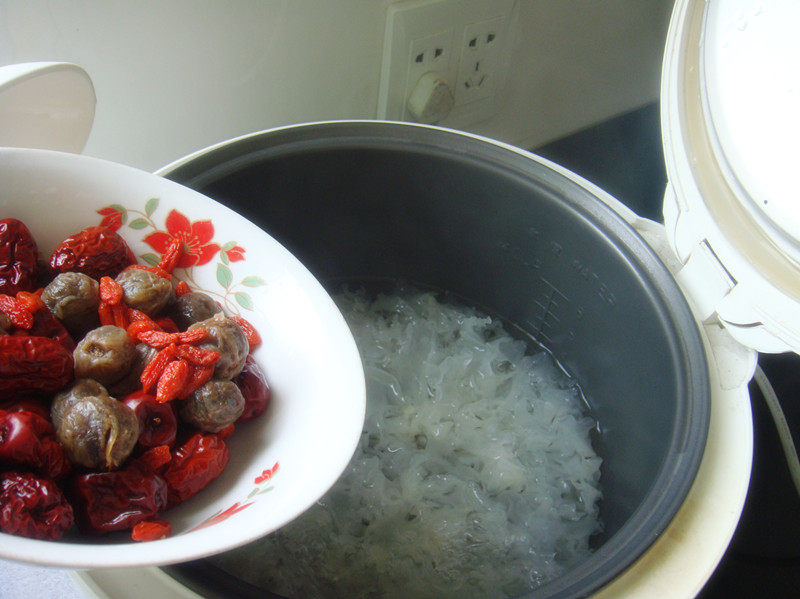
[[267, 474], [223, 515], [112, 218], [195, 237], [235, 254]]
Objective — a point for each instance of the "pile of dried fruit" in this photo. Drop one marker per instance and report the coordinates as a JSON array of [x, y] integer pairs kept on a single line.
[[118, 386]]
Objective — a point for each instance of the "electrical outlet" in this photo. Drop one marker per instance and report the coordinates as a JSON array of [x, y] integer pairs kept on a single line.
[[478, 64], [418, 39], [427, 54], [462, 41]]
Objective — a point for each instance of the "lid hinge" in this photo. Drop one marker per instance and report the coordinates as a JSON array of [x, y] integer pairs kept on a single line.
[[705, 281]]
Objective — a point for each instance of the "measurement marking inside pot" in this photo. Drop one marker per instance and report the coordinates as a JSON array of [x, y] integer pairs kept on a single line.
[[549, 303], [585, 272]]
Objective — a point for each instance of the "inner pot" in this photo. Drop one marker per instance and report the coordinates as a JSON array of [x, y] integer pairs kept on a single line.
[[518, 238]]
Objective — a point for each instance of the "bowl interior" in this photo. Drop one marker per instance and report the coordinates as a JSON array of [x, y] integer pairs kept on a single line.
[[308, 354], [512, 235]]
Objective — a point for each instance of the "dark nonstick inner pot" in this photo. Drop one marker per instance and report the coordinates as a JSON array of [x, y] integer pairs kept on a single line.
[[518, 238]]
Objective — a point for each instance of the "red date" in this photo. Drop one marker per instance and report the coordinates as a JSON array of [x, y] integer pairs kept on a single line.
[[155, 459], [33, 365], [27, 404], [157, 422], [253, 385], [36, 361], [194, 465], [95, 251], [27, 441], [110, 501], [47, 325], [33, 507], [19, 266]]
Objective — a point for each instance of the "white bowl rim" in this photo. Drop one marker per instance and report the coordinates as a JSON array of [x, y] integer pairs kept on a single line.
[[199, 543]]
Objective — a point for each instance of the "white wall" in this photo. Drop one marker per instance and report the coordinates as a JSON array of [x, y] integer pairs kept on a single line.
[[578, 62], [173, 76]]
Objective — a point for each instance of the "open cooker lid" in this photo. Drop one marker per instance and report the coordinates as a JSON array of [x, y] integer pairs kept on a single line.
[[730, 93], [46, 105]]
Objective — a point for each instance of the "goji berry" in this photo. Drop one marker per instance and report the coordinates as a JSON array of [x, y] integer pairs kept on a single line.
[[118, 500], [119, 316], [160, 339], [19, 257], [157, 339], [151, 530], [33, 507], [198, 355], [135, 315], [27, 441], [19, 315], [32, 302], [106, 314], [199, 377], [193, 336], [152, 372], [253, 338], [182, 288], [167, 324], [255, 389], [139, 326], [172, 380], [194, 465], [35, 365], [94, 251], [110, 291], [172, 254]]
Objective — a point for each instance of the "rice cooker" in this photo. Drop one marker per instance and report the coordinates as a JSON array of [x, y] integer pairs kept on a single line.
[[731, 237]]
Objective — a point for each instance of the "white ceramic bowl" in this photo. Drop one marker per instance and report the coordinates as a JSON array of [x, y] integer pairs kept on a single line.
[[308, 354]]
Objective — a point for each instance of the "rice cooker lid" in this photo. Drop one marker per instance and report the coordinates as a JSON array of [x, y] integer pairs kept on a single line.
[[46, 105], [730, 93]]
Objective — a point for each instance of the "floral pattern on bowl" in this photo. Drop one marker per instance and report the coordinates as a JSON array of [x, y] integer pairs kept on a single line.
[[198, 249], [308, 354], [223, 515]]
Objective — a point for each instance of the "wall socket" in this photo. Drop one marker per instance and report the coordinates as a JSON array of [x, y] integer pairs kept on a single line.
[[463, 41], [478, 66]]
